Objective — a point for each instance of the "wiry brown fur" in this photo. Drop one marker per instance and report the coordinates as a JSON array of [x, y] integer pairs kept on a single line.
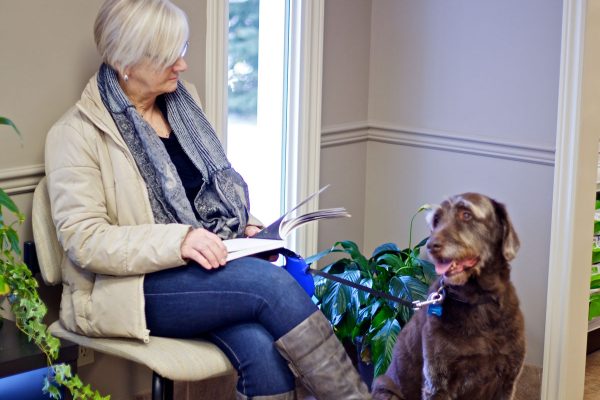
[[475, 350]]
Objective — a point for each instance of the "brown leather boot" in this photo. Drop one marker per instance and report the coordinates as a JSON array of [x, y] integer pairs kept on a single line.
[[318, 358]]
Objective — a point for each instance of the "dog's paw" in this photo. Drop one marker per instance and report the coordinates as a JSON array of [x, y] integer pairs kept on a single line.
[[385, 389]]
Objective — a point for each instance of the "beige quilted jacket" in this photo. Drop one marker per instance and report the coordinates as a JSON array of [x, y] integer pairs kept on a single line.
[[104, 223]]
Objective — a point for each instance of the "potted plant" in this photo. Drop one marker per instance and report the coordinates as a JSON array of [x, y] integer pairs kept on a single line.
[[17, 282], [369, 322]]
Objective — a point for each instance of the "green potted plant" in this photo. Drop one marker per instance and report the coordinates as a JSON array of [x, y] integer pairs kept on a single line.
[[594, 309], [17, 282], [360, 318]]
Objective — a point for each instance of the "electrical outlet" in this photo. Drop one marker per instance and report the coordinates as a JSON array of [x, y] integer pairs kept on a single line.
[[86, 356]]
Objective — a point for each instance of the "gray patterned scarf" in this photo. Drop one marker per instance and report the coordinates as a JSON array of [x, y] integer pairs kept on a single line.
[[222, 202]]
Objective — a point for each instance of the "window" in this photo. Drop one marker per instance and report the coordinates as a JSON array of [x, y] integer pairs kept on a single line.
[[257, 84], [272, 134]]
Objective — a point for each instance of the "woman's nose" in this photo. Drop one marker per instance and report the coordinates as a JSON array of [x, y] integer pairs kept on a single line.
[[180, 65]]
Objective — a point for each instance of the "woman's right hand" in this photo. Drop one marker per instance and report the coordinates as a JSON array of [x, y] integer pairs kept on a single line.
[[204, 247]]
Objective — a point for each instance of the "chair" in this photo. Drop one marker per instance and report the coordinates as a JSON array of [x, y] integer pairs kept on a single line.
[[169, 359]]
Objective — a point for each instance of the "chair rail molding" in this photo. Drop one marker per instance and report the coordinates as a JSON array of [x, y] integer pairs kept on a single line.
[[21, 179], [347, 133]]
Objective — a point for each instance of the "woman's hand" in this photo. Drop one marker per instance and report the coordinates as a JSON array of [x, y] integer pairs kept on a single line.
[[251, 230], [204, 247]]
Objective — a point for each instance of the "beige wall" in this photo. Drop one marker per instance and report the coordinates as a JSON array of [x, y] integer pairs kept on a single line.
[[346, 52], [462, 97], [47, 55]]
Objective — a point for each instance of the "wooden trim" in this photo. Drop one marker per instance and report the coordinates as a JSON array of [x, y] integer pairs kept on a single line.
[[304, 116], [21, 179], [573, 207], [368, 131], [217, 22]]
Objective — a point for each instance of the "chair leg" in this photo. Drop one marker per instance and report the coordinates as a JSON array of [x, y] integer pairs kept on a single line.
[[162, 388], [168, 385]]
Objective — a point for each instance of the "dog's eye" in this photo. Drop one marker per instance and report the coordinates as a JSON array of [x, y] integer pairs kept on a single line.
[[435, 220], [465, 215]]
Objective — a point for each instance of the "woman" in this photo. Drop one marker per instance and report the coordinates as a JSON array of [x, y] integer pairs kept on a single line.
[[142, 196]]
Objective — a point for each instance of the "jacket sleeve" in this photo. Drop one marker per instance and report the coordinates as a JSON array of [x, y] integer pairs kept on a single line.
[[86, 232]]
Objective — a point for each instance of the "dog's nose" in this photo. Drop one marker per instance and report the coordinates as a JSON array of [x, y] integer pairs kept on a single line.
[[433, 245]]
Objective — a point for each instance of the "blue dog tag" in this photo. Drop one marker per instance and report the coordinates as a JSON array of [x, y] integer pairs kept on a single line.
[[434, 309]]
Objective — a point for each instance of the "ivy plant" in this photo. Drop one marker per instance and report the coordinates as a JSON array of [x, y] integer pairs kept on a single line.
[[18, 284], [361, 318]]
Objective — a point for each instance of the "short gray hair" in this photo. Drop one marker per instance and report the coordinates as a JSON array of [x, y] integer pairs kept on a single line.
[[127, 31]]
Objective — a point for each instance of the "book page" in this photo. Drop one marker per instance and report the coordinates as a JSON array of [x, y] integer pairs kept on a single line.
[[242, 247]]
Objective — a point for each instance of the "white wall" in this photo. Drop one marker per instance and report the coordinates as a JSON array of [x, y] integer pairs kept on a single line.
[[462, 97]]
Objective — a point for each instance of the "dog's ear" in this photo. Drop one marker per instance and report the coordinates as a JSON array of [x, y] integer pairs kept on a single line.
[[430, 212], [510, 240]]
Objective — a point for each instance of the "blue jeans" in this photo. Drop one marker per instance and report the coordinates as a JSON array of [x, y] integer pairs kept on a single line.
[[242, 307]]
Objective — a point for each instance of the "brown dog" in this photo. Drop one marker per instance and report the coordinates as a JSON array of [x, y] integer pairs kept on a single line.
[[475, 349]]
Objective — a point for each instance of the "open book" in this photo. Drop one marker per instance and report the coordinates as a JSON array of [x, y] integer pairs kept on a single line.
[[271, 237]]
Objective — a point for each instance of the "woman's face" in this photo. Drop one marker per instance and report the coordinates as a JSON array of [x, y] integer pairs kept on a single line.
[[144, 78]]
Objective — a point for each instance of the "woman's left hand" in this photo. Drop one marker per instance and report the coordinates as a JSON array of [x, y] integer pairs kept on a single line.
[[251, 230]]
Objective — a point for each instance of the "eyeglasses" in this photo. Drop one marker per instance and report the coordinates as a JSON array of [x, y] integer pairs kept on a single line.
[[185, 48]]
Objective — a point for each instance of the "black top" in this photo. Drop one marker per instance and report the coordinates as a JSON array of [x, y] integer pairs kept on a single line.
[[190, 177]]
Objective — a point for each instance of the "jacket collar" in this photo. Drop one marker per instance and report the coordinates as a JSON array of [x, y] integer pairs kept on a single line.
[[91, 105]]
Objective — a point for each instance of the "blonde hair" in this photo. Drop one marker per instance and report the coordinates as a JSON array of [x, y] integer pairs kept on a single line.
[[128, 31]]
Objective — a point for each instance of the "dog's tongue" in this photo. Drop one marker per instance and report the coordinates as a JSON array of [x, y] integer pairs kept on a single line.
[[454, 266]]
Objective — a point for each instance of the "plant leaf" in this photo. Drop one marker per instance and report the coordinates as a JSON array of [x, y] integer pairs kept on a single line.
[[7, 202], [337, 297], [418, 289], [399, 288], [386, 247], [344, 329], [4, 288], [316, 257], [428, 271], [422, 243], [363, 296], [352, 249], [382, 345], [340, 266], [6, 121], [393, 260], [382, 317]]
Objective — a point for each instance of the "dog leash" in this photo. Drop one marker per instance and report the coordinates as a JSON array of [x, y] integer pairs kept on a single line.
[[298, 268], [434, 298]]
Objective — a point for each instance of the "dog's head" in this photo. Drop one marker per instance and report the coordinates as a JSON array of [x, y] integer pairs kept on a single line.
[[468, 232]]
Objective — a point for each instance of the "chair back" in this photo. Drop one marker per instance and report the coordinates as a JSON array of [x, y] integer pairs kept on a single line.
[[49, 251]]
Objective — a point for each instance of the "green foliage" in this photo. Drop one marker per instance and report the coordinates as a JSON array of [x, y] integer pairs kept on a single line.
[[243, 57], [29, 310], [359, 317]]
